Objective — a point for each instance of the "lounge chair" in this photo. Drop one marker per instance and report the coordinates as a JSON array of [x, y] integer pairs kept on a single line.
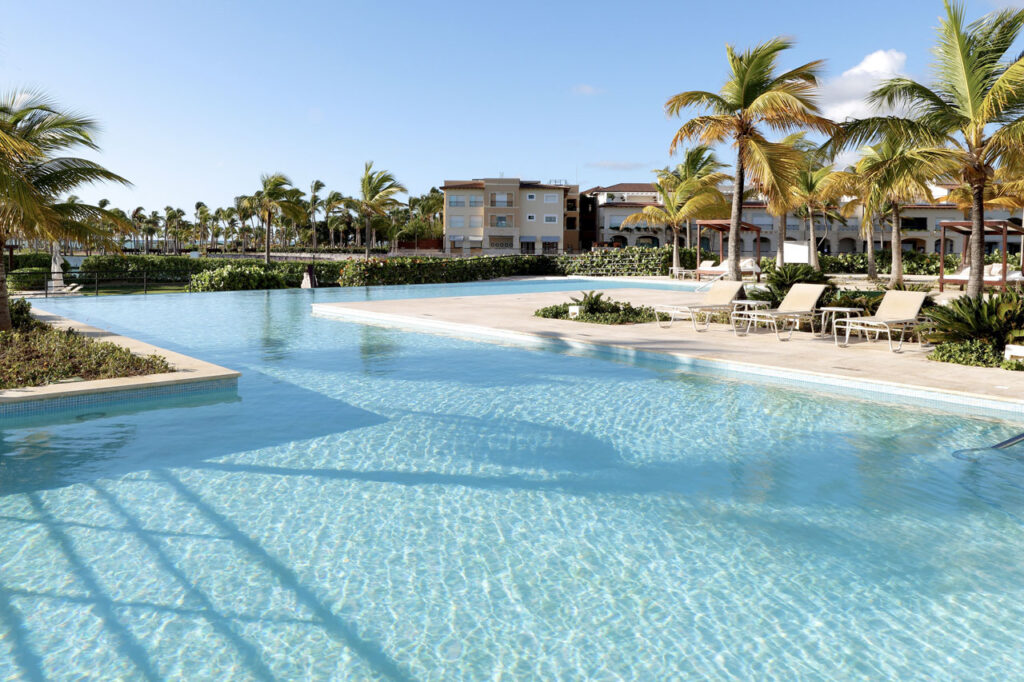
[[747, 267], [799, 304], [898, 311], [718, 300]]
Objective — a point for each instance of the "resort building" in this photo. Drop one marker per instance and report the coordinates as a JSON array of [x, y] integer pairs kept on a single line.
[[604, 209], [509, 215]]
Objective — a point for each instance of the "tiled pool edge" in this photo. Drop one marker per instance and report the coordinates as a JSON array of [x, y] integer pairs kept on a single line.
[[191, 376], [955, 401]]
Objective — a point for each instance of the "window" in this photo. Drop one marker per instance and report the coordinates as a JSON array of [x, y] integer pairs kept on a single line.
[[501, 221], [476, 200], [531, 197], [457, 221], [551, 219], [527, 247], [501, 199], [570, 205], [531, 217], [914, 223], [550, 247], [458, 200], [550, 198], [476, 221]]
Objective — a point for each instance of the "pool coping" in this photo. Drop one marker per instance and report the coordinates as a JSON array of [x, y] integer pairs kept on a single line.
[[948, 399], [187, 370]]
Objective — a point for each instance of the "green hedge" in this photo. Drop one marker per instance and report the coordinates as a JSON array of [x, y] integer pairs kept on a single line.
[[33, 259], [183, 268], [28, 279], [237, 277], [377, 271]]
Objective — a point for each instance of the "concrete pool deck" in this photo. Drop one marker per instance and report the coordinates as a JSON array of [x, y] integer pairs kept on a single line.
[[868, 368], [188, 371]]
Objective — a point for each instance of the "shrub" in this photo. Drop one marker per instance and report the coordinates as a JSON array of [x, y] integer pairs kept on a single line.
[[43, 355], [630, 260], [182, 268], [779, 281], [1013, 365], [376, 271], [976, 353], [34, 259], [239, 276], [995, 320], [21, 315], [25, 279], [594, 307]]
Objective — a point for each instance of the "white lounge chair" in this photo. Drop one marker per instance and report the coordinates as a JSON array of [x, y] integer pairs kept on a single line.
[[799, 304], [993, 276], [747, 267], [718, 300], [898, 311]]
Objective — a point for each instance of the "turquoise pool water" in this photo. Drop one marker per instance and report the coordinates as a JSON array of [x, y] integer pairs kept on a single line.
[[383, 504]]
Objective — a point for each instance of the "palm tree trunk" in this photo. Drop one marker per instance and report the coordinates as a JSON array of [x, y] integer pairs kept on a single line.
[[5, 302], [872, 267], [367, 237], [735, 219], [975, 283], [812, 252], [675, 249], [689, 241], [896, 269], [780, 251], [266, 242]]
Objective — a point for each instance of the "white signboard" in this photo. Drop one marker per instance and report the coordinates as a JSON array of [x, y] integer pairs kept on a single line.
[[796, 252]]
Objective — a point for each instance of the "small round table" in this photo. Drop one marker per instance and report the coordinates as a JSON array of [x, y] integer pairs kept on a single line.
[[836, 312], [749, 304]]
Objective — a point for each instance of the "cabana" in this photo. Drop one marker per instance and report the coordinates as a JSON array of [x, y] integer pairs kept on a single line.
[[996, 276], [722, 227]]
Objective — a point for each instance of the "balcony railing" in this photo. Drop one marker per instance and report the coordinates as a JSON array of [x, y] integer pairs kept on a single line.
[[501, 203]]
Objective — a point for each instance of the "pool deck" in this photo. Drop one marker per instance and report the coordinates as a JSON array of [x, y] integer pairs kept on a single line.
[[864, 366], [187, 370]]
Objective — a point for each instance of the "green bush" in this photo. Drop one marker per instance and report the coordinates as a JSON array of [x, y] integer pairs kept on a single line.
[[994, 320], [182, 268], [21, 315], [629, 260], [238, 277], [778, 282], [377, 271], [27, 279], [1013, 365], [976, 353], [34, 259], [43, 355], [594, 307]]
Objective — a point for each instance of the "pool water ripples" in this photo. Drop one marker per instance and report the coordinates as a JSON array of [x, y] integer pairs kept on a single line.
[[383, 504]]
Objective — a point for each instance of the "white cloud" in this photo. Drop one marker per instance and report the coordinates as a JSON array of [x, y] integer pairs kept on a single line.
[[617, 165], [845, 96], [586, 90]]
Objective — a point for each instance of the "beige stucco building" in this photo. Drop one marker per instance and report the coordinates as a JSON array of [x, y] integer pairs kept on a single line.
[[509, 215], [920, 224]]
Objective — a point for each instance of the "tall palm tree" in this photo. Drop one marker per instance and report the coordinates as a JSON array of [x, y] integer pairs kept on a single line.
[[332, 204], [693, 187], [814, 193], [973, 110], [34, 176], [377, 191], [139, 223], [680, 201], [272, 201], [315, 204], [753, 98]]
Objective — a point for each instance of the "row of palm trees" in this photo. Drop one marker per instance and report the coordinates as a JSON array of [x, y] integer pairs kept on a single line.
[[964, 128], [281, 214]]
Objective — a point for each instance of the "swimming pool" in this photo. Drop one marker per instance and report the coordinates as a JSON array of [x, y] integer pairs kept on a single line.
[[384, 504]]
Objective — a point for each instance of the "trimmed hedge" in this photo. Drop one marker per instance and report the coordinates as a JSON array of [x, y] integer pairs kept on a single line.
[[34, 259], [183, 268], [378, 271], [28, 279], [238, 277]]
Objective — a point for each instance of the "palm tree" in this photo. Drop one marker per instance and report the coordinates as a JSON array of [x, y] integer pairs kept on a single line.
[[377, 190], [754, 97], [814, 190], [139, 222], [34, 177], [314, 206], [681, 200], [692, 187], [275, 199], [973, 112]]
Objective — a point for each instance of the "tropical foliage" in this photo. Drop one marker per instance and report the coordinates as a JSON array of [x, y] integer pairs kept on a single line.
[[997, 319], [595, 308], [237, 277]]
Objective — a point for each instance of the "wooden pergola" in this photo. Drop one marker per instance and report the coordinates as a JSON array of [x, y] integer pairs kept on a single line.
[[1000, 227], [722, 227]]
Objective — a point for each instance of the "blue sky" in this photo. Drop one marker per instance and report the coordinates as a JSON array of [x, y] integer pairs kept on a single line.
[[197, 99]]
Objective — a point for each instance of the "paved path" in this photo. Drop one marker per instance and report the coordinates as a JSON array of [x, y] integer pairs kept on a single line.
[[805, 353]]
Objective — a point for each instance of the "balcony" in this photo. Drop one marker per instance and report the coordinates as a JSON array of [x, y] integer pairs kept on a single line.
[[502, 203]]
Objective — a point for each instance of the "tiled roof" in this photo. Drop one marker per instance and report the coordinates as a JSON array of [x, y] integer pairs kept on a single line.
[[463, 184], [624, 187]]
